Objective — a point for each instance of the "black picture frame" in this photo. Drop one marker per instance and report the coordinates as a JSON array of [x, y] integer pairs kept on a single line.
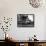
[[25, 20]]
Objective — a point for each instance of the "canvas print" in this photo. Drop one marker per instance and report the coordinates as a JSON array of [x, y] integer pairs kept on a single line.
[[25, 20]]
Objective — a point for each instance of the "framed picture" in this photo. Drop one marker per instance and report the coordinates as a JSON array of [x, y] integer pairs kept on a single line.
[[25, 20]]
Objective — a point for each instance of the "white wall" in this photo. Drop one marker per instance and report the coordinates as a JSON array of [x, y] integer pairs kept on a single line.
[[10, 8]]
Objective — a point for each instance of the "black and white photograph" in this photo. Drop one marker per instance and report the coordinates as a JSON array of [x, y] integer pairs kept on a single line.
[[25, 20]]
